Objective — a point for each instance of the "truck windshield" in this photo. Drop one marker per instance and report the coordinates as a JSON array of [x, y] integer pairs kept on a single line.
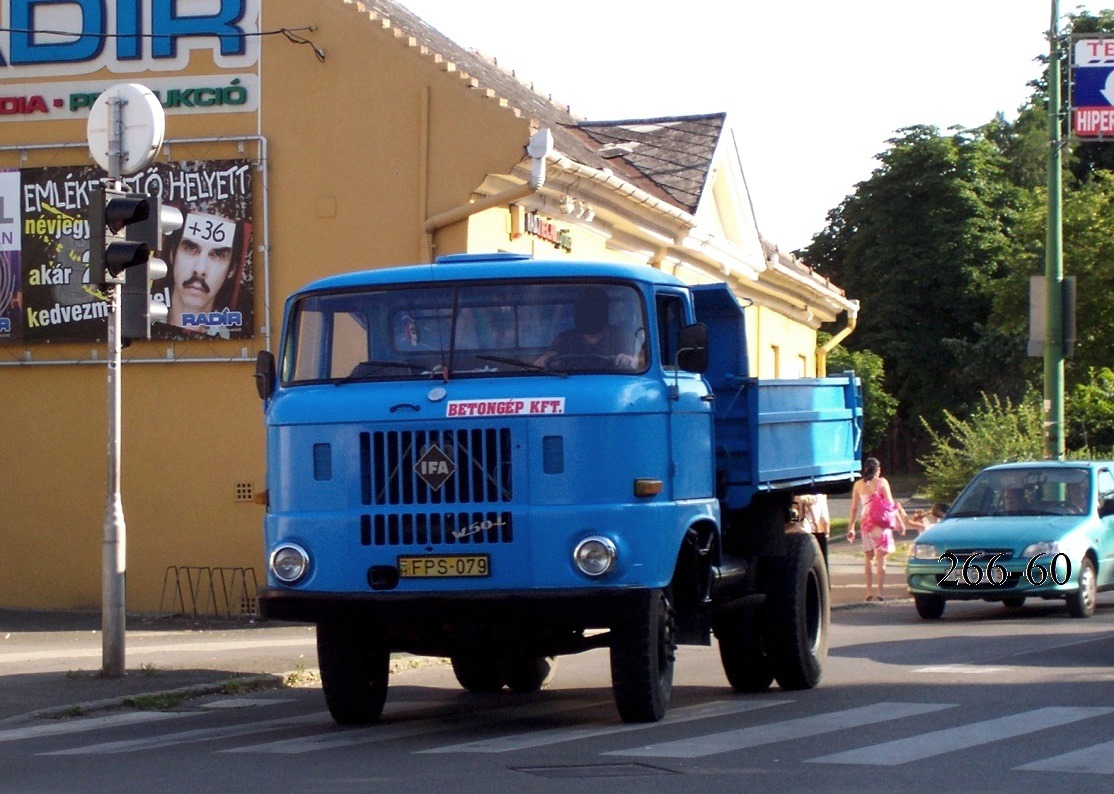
[[466, 330]]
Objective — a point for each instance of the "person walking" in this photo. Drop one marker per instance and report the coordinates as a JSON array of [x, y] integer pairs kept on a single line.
[[873, 508]]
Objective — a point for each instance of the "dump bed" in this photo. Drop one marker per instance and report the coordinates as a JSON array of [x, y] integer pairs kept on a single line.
[[803, 434]]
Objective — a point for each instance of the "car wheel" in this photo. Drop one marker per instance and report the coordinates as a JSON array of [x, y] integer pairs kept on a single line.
[[1081, 603], [929, 607]]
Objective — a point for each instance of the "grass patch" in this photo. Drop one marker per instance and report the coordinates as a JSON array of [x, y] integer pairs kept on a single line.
[[159, 702]]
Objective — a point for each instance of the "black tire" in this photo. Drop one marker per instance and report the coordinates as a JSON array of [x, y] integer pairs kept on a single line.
[[743, 651], [528, 673], [798, 615], [478, 672], [1081, 603], [929, 607], [355, 667], [1014, 602], [643, 650]]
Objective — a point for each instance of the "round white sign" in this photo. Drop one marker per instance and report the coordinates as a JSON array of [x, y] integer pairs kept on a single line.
[[144, 125]]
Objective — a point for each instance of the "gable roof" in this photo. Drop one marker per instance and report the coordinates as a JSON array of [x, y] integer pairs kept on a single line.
[[673, 154]]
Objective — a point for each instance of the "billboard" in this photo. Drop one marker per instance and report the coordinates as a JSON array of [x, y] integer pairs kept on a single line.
[[45, 294]]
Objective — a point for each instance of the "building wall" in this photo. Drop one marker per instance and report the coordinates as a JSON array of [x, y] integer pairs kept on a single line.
[[350, 157]]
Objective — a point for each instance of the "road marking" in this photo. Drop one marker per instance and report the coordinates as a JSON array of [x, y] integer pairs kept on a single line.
[[87, 724], [198, 735], [140, 650], [521, 741], [758, 735], [962, 737], [1096, 760], [383, 732], [962, 669]]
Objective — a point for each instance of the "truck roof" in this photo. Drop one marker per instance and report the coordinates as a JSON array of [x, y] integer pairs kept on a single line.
[[478, 267]]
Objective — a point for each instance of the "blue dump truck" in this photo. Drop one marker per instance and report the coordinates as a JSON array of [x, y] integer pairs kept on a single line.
[[502, 460]]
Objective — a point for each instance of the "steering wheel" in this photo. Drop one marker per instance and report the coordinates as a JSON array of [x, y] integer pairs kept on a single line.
[[580, 361]]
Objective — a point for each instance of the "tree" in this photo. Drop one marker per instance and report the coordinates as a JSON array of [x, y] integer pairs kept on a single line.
[[997, 431], [879, 406], [919, 244]]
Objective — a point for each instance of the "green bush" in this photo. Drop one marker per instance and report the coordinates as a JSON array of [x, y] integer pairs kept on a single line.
[[1090, 413], [996, 432]]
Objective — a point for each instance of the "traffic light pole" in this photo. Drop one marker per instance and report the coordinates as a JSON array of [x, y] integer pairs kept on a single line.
[[114, 543], [1054, 256]]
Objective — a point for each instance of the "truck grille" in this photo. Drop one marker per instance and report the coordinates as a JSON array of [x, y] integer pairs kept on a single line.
[[475, 467], [437, 529]]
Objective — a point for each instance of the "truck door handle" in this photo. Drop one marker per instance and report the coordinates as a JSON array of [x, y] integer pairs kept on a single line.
[[708, 398]]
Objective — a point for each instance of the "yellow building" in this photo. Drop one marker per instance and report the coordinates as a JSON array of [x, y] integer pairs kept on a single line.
[[312, 138]]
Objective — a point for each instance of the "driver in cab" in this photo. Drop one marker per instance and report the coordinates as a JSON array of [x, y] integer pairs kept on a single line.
[[593, 343]]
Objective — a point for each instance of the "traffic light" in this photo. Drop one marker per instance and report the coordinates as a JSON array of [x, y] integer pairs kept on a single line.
[[139, 309], [110, 252]]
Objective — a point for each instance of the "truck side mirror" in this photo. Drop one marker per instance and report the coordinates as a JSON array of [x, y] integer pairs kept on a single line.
[[692, 352], [265, 374]]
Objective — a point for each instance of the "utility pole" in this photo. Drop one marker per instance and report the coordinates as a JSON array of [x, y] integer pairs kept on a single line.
[[1054, 255]]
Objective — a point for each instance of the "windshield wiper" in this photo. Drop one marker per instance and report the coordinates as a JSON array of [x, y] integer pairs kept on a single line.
[[360, 371], [514, 362]]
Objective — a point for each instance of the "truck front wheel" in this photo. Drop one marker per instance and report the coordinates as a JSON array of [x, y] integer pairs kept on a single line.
[[799, 614], [355, 667], [643, 649]]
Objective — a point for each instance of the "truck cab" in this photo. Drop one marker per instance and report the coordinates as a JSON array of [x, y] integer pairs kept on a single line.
[[501, 460]]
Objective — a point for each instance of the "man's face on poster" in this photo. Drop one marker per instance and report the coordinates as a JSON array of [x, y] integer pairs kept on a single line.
[[202, 261]]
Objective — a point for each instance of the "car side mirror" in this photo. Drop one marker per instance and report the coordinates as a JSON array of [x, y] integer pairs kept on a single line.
[[1106, 507], [265, 374], [692, 351]]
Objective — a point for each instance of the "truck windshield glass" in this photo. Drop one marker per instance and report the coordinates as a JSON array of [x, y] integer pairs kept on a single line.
[[468, 330]]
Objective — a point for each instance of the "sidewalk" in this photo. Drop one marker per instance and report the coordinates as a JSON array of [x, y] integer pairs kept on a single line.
[[50, 662]]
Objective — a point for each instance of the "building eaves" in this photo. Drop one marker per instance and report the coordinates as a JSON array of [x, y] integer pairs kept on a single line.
[[483, 74]]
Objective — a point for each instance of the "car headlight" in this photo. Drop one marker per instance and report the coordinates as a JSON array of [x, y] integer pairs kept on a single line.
[[1043, 547], [594, 556], [289, 563], [925, 551]]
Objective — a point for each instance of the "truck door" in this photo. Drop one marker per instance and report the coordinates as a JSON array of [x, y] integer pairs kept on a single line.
[[690, 421]]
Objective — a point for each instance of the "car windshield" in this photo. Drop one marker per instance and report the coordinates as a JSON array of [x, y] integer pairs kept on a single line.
[[1033, 491], [465, 330]]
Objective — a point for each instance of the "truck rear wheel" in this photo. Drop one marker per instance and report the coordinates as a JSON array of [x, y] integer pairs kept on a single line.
[[355, 667], [478, 672], [742, 650], [799, 614], [643, 650], [528, 673]]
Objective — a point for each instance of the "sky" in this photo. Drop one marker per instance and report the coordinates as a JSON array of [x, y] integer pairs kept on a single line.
[[813, 89]]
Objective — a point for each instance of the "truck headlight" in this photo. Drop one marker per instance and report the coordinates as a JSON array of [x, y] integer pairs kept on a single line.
[[594, 556], [289, 563]]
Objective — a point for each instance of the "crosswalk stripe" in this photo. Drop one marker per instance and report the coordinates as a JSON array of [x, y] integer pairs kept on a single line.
[[521, 741], [1097, 760], [755, 736], [401, 730], [86, 724], [198, 735], [962, 737]]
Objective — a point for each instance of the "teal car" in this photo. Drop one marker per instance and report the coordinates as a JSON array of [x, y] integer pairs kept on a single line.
[[1021, 530]]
